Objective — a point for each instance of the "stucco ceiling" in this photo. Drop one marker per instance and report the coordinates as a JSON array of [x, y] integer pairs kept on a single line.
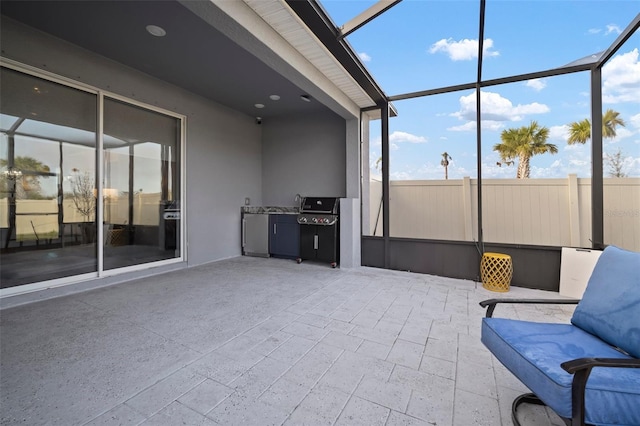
[[193, 55]]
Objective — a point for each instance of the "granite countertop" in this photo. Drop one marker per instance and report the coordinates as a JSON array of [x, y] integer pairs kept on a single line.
[[269, 210]]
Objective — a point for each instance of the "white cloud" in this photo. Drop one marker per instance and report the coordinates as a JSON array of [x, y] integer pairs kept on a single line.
[[542, 172], [496, 108], [466, 127], [612, 28], [471, 126], [579, 162], [400, 176], [622, 133], [364, 57], [575, 147], [635, 120], [621, 78], [536, 84], [609, 29], [492, 125], [556, 164], [559, 132], [491, 170], [399, 137], [554, 170], [463, 50], [632, 166]]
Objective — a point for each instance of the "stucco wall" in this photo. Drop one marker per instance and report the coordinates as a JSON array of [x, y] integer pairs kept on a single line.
[[303, 155], [223, 146]]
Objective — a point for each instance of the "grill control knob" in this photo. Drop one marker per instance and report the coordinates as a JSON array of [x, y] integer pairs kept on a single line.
[[303, 219], [314, 220], [326, 220]]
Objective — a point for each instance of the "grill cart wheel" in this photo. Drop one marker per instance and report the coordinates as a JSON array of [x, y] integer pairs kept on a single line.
[[299, 260]]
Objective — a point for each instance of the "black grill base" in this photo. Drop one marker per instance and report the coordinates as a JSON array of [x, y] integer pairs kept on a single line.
[[328, 247]]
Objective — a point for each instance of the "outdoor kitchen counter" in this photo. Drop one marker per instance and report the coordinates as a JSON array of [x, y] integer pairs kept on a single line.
[[270, 231], [269, 210]]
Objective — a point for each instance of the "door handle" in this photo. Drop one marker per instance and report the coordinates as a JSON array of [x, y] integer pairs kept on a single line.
[[315, 242], [275, 228], [244, 232]]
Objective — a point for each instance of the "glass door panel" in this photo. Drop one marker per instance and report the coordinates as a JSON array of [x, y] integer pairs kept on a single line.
[[47, 202], [141, 186]]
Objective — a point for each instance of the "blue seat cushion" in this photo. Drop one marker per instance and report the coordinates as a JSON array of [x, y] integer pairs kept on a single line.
[[534, 351], [610, 306]]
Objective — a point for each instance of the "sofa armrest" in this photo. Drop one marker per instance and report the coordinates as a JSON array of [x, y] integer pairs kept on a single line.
[[490, 304], [576, 365], [581, 368]]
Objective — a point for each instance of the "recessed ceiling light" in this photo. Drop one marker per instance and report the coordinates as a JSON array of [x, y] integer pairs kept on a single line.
[[259, 105], [274, 97], [305, 98], [156, 31]]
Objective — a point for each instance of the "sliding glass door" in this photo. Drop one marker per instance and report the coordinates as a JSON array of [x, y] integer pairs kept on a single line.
[[47, 160], [50, 169], [141, 188]]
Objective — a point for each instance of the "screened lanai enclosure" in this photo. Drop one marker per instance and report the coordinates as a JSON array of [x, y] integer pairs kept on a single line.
[[448, 128], [499, 134]]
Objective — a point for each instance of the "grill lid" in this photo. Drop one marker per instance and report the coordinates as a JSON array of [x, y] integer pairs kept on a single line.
[[322, 205]]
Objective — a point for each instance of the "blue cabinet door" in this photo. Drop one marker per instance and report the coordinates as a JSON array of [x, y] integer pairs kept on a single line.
[[284, 236]]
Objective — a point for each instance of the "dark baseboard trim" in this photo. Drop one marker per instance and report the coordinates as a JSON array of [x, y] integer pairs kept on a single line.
[[535, 267]]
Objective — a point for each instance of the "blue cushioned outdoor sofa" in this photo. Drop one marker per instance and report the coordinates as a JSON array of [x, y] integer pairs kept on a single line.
[[588, 371]]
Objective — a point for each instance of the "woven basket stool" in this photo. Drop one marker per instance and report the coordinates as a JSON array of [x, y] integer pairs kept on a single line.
[[496, 271]]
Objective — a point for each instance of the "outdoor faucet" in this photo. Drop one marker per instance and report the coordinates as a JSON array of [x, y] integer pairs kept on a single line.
[[298, 199]]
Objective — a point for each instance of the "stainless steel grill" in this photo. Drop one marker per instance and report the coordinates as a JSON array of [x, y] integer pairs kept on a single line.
[[319, 211], [319, 230]]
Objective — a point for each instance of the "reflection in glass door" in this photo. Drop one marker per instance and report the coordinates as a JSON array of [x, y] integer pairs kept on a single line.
[[49, 175], [141, 187], [47, 180]]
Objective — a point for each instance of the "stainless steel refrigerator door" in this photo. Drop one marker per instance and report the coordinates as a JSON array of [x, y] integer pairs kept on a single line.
[[255, 238]]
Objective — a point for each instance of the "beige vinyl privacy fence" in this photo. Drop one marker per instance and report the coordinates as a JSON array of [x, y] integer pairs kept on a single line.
[[38, 219], [551, 212]]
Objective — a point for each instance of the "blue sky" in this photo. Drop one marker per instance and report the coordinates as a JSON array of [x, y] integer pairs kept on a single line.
[[422, 44]]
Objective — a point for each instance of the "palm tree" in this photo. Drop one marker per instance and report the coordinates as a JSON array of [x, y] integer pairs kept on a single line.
[[580, 131], [27, 185], [524, 143], [610, 120], [445, 163]]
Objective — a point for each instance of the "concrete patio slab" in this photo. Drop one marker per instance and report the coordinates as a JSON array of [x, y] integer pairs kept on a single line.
[[251, 341]]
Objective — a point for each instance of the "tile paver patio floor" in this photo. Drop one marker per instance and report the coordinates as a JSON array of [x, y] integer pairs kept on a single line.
[[251, 341]]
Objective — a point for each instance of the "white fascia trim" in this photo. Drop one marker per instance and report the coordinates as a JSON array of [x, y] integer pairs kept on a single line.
[[254, 24]]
